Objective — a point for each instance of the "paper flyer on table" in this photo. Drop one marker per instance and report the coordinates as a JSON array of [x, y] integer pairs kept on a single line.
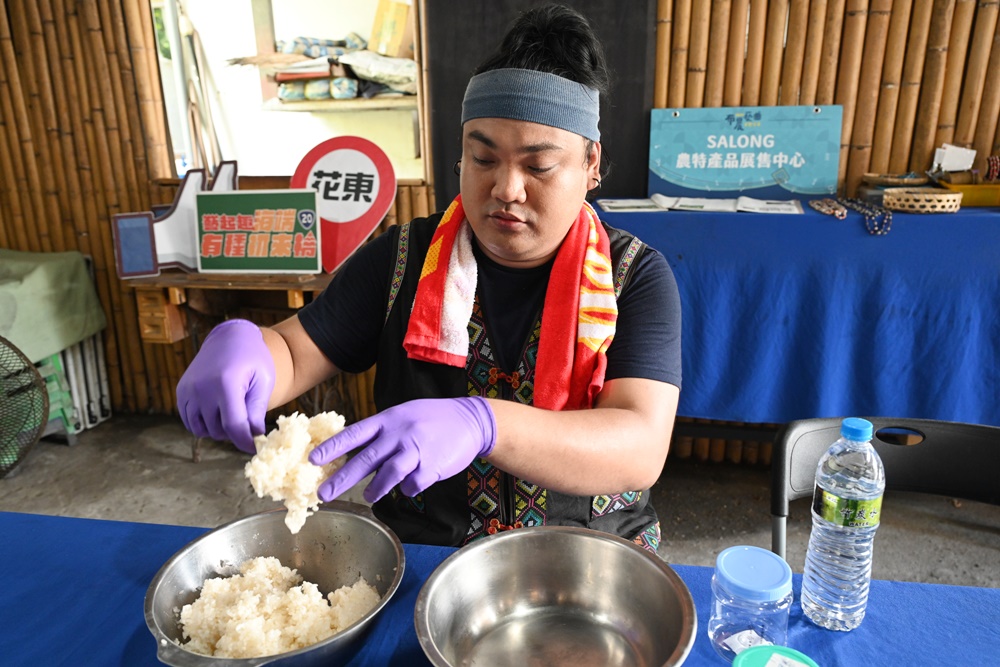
[[705, 204], [752, 205], [629, 205], [659, 203]]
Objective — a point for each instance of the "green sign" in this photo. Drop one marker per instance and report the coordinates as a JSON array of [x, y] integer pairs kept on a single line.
[[258, 231]]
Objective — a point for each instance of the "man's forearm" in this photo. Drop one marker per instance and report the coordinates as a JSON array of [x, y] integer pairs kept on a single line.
[[619, 445]]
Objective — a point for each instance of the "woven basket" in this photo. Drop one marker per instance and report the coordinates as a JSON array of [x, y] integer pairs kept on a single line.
[[895, 179], [921, 200]]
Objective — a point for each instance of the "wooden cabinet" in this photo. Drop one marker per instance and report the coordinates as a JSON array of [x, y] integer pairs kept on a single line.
[[160, 321]]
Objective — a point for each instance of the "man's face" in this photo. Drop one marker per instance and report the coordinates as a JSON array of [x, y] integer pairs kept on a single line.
[[522, 187]]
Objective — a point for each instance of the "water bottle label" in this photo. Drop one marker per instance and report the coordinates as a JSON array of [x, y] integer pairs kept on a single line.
[[845, 511]]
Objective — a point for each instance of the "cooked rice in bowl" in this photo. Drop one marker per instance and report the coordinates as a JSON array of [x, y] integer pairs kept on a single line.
[[268, 609]]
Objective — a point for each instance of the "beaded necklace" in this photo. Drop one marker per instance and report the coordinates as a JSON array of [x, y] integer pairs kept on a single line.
[[829, 206], [993, 168], [878, 220]]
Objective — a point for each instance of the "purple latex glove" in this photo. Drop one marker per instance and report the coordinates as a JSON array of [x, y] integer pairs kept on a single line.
[[413, 444], [223, 394]]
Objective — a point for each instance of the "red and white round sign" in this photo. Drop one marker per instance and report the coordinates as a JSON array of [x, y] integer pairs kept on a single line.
[[355, 187]]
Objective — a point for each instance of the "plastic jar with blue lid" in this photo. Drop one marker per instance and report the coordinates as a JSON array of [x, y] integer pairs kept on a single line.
[[751, 598]]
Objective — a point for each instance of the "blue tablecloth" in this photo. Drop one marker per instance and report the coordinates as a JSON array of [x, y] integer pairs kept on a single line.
[[796, 316], [72, 591]]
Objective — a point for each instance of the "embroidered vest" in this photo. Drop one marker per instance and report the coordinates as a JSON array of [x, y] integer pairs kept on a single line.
[[485, 499]]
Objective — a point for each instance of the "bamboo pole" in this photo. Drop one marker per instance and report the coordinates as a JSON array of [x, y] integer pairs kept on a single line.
[[677, 86], [4, 241], [14, 220], [738, 17], [715, 81], [404, 204], [139, 30], [770, 81], [935, 64], [795, 51], [876, 36], [424, 115], [717, 450], [664, 26], [71, 205], [813, 52], [995, 150], [133, 143], [30, 148], [53, 178], [892, 71], [855, 26], [10, 154], [989, 110], [826, 85], [755, 52], [909, 92], [104, 144], [734, 451], [92, 192], [121, 111], [975, 73], [701, 16], [390, 217], [120, 114], [958, 47], [419, 204]]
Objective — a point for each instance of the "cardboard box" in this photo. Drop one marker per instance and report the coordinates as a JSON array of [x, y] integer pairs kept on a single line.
[[392, 32]]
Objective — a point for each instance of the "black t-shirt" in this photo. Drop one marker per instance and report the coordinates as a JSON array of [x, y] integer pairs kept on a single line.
[[346, 319]]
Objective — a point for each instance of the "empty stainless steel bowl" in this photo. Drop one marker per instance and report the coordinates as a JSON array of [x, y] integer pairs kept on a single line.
[[338, 544], [554, 596]]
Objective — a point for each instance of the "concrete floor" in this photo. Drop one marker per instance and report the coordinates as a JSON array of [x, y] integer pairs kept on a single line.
[[140, 468]]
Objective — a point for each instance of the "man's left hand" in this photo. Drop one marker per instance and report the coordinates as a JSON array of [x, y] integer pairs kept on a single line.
[[414, 445]]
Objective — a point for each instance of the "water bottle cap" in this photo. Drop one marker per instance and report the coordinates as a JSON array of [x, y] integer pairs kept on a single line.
[[753, 574], [855, 428]]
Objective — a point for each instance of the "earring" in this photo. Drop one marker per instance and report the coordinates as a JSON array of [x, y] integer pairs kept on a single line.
[[457, 167], [598, 186]]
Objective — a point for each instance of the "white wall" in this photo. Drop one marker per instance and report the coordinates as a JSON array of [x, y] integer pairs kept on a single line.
[[273, 142]]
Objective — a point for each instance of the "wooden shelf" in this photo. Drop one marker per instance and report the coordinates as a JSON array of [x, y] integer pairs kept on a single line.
[[160, 298], [300, 282], [405, 102]]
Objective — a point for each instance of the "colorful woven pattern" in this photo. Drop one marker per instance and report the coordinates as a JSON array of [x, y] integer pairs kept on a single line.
[[612, 503]]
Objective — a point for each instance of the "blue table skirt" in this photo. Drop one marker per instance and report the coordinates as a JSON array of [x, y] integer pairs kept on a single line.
[[796, 316], [72, 592]]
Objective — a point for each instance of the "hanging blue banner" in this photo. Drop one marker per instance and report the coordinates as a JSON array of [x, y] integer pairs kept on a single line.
[[765, 152]]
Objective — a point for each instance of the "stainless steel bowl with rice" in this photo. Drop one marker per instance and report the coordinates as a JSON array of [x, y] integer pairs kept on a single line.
[[341, 549]]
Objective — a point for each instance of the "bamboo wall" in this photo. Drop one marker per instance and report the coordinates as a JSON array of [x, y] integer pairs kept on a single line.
[[83, 132], [83, 136], [910, 74]]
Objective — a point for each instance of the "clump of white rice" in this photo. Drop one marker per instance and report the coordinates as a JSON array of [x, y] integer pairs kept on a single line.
[[267, 609], [281, 467]]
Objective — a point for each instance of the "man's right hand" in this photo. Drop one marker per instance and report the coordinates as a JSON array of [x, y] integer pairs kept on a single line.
[[224, 393]]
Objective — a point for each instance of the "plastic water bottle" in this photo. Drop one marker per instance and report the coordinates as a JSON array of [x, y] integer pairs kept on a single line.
[[847, 506]]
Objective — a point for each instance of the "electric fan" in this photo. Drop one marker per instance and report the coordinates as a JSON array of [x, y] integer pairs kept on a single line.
[[24, 406]]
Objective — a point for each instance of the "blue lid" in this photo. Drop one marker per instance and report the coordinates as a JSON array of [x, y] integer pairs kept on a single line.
[[855, 428], [753, 574]]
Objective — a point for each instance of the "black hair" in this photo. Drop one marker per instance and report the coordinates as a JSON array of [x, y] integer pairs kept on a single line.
[[557, 40], [553, 39]]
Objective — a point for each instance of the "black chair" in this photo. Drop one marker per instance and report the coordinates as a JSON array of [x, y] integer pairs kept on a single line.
[[923, 455]]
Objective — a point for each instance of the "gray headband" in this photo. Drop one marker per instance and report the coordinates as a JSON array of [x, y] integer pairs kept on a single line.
[[538, 97]]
